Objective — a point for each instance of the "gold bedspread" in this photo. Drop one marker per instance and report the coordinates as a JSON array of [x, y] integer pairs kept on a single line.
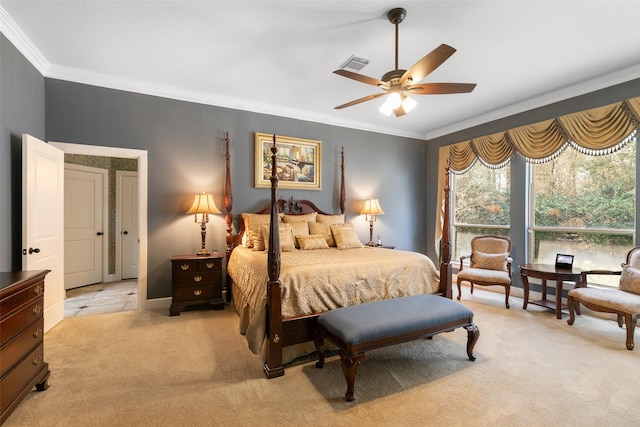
[[315, 281]]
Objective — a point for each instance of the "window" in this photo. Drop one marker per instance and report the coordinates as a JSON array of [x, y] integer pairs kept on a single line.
[[481, 205], [585, 206]]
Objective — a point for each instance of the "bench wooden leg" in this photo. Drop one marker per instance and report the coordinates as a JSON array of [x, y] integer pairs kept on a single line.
[[473, 333], [349, 366]]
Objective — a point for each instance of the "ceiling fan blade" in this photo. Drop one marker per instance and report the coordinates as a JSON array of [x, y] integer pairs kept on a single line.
[[359, 77], [358, 101], [441, 88], [426, 65]]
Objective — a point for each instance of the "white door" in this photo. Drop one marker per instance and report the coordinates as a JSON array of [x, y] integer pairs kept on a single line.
[[127, 200], [84, 225], [43, 221]]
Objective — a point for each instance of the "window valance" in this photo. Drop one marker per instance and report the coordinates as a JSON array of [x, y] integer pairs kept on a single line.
[[597, 131]]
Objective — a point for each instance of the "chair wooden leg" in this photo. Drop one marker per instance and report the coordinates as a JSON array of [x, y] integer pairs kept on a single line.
[[621, 320], [571, 306], [630, 321], [507, 290], [459, 289]]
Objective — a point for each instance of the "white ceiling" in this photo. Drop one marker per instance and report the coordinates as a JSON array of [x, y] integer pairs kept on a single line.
[[277, 57]]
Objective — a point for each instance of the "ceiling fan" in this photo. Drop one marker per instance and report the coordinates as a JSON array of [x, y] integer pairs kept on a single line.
[[399, 84]]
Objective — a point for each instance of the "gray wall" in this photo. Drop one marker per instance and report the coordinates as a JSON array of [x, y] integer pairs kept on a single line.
[[185, 144], [21, 111]]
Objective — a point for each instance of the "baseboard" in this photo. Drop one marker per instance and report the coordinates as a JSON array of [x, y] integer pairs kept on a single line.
[[157, 303]]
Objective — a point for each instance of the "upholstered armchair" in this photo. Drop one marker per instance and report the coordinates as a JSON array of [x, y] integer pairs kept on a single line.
[[490, 264], [623, 301]]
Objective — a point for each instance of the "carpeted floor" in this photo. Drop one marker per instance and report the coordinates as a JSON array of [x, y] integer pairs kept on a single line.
[[149, 369]]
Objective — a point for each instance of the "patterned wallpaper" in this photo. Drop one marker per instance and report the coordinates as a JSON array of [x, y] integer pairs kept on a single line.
[[111, 164]]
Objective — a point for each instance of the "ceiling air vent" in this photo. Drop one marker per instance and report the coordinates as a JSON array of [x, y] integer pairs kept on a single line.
[[354, 64]]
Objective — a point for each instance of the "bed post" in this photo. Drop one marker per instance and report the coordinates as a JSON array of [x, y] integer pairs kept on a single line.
[[273, 342], [342, 184], [445, 246], [228, 206]]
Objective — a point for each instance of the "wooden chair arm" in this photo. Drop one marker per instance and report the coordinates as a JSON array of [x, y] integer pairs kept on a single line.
[[603, 272], [462, 258]]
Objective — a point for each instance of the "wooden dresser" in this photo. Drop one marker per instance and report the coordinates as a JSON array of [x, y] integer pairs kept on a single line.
[[196, 280], [21, 335]]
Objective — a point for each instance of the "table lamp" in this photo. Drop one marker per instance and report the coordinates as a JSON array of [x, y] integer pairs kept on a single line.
[[203, 204], [371, 210]]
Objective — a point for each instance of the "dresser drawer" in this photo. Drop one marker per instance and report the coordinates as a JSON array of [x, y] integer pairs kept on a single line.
[[20, 376], [13, 325], [194, 293], [196, 278], [24, 296], [21, 345]]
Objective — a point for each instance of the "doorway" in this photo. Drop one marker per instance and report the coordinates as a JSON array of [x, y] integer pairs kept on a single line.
[[142, 164]]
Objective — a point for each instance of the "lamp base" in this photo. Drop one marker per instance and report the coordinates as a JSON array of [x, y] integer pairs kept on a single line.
[[370, 243], [204, 252]]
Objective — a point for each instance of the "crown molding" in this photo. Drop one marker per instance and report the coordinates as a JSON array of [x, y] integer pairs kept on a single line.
[[10, 29], [588, 86]]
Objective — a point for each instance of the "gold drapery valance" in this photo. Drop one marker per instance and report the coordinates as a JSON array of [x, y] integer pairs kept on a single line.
[[597, 131]]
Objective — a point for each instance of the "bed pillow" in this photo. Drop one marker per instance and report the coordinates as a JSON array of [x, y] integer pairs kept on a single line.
[[489, 261], [345, 236], [286, 237], [252, 223], [299, 229], [319, 228], [300, 218], [312, 241], [330, 219], [630, 279]]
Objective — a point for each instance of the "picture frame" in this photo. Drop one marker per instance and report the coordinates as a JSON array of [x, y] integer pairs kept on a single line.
[[299, 162]]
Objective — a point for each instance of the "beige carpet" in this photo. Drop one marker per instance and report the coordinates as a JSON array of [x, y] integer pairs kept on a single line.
[[145, 368]]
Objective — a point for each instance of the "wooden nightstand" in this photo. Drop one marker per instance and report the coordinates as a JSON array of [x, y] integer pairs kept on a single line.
[[196, 281]]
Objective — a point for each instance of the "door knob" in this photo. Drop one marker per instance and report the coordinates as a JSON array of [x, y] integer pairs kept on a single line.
[[99, 233], [32, 250], [125, 232]]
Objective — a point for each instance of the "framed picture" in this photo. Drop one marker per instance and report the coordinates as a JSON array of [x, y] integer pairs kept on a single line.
[[298, 164]]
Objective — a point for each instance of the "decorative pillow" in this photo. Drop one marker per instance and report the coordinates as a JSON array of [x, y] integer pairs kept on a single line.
[[312, 241], [319, 228], [489, 261], [345, 236], [630, 279], [252, 223], [330, 219], [286, 237], [300, 218], [299, 229]]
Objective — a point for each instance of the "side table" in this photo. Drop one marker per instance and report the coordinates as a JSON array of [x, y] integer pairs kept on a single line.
[[195, 281], [549, 272]]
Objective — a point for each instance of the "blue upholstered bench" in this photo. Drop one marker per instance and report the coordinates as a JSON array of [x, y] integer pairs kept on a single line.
[[359, 328]]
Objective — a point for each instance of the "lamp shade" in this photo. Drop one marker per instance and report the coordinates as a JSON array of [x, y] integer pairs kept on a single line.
[[372, 207], [203, 203]]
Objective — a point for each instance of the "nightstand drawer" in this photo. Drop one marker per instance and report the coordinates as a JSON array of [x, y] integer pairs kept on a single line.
[[189, 266], [21, 345], [193, 293], [196, 278]]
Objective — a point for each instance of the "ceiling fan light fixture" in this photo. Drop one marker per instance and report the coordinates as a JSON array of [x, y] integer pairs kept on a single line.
[[392, 102], [408, 104]]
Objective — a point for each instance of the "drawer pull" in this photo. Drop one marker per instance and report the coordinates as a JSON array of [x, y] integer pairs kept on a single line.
[[184, 267], [210, 265], [37, 333], [36, 310], [197, 292], [38, 289], [197, 278], [37, 359]]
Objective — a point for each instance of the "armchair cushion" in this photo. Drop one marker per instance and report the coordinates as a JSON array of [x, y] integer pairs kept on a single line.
[[630, 279], [476, 275], [615, 299], [489, 261]]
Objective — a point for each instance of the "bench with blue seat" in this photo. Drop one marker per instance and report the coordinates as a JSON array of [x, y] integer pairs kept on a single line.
[[359, 328]]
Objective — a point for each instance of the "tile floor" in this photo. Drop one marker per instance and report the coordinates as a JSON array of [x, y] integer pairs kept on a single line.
[[101, 298]]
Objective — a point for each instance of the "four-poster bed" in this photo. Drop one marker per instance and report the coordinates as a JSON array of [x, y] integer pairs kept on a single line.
[[302, 284]]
